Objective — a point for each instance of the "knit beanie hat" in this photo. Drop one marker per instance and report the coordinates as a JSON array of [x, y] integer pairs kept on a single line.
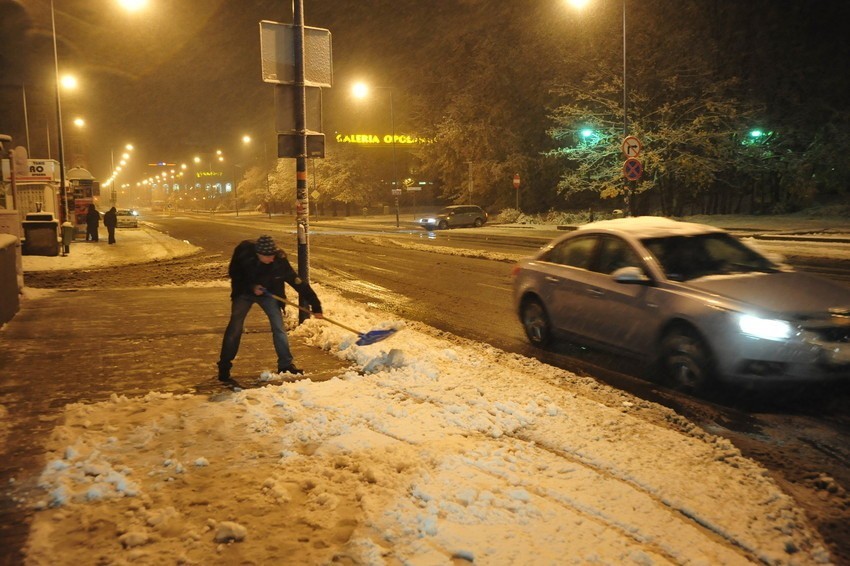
[[266, 246]]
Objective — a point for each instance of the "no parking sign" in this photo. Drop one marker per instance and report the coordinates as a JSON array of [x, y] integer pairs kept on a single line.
[[632, 169]]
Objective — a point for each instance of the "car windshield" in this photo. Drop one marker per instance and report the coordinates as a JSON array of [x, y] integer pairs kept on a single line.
[[690, 257]]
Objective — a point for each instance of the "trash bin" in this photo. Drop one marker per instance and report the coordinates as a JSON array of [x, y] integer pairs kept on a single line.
[[41, 237], [67, 237]]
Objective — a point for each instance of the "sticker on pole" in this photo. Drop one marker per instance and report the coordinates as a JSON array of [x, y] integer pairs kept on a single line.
[[632, 169]]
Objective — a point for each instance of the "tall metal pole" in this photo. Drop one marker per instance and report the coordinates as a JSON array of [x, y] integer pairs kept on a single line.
[[470, 181], [395, 171], [26, 118], [628, 188], [302, 204], [59, 119], [113, 197], [625, 98]]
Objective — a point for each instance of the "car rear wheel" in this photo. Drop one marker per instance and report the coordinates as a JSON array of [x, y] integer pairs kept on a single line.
[[442, 225], [686, 361], [536, 323]]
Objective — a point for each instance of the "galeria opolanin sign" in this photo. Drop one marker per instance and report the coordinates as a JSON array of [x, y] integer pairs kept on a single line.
[[387, 139]]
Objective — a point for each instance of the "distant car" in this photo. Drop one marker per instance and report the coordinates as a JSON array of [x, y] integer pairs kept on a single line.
[[691, 298], [127, 218], [454, 216]]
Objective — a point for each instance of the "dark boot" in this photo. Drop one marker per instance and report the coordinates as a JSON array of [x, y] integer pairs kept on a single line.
[[291, 368], [224, 371]]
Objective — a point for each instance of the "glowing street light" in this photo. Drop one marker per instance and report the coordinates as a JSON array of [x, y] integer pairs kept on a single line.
[[133, 5], [70, 81], [361, 90], [580, 4]]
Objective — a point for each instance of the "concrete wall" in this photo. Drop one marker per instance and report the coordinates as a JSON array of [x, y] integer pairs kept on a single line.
[[9, 290]]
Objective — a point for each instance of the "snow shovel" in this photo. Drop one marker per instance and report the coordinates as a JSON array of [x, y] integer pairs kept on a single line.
[[366, 338]]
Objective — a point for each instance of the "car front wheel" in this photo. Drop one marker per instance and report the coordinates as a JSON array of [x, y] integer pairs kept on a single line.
[[536, 323], [442, 225], [686, 361]]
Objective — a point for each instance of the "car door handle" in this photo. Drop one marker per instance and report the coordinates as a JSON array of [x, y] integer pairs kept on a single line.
[[551, 279], [595, 292]]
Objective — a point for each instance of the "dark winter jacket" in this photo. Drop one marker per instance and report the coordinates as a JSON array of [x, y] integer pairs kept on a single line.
[[246, 270], [92, 217], [110, 218]]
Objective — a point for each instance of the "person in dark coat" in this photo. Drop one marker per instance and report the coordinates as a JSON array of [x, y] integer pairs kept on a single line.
[[92, 222], [257, 267], [110, 220]]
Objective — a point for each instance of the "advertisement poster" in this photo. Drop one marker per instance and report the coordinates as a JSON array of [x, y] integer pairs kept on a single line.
[[81, 208]]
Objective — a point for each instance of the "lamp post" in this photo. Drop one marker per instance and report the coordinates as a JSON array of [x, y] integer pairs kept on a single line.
[[59, 118], [361, 90], [470, 181], [115, 170], [580, 4]]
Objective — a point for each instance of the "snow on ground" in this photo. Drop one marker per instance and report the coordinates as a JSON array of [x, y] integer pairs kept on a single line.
[[431, 449], [132, 245]]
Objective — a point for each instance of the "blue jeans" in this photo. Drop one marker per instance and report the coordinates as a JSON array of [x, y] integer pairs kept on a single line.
[[239, 308]]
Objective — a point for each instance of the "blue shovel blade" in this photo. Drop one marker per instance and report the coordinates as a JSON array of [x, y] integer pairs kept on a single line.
[[374, 336]]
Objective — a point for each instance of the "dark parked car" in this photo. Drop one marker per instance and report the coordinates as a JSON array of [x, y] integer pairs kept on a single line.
[[691, 298], [453, 216]]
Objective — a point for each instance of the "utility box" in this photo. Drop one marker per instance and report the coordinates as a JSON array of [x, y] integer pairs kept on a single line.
[[41, 235]]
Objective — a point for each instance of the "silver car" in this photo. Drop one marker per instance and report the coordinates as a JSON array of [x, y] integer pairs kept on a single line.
[[453, 216], [127, 218], [691, 298]]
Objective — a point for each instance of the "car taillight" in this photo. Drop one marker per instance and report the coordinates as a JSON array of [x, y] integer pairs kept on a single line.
[[515, 270]]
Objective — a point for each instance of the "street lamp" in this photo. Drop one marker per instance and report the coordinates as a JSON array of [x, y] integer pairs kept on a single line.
[[580, 4], [59, 118], [115, 170], [361, 90], [70, 82]]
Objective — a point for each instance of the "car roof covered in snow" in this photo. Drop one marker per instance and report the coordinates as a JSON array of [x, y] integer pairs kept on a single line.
[[650, 227]]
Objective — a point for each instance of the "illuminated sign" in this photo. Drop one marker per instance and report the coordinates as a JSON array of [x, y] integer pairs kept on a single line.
[[37, 171], [200, 174], [387, 139], [161, 164]]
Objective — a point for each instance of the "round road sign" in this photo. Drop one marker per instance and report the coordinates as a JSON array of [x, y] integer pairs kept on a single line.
[[516, 180], [632, 169], [631, 147]]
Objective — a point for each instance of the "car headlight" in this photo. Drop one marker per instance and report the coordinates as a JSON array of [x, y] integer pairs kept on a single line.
[[767, 328]]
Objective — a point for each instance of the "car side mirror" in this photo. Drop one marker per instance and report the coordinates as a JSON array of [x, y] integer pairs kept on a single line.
[[630, 275]]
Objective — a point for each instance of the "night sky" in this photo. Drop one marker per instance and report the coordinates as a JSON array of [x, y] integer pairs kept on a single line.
[[184, 77]]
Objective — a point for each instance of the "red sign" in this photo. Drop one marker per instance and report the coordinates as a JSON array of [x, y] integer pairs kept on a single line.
[[632, 169], [516, 180]]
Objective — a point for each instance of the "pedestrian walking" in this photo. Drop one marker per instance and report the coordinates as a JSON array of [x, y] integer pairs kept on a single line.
[[92, 222], [258, 270], [110, 220]]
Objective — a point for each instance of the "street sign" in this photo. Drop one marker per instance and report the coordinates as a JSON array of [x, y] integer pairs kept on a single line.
[[631, 147], [289, 145], [284, 107], [36, 171], [516, 180], [632, 169], [396, 192], [277, 54]]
